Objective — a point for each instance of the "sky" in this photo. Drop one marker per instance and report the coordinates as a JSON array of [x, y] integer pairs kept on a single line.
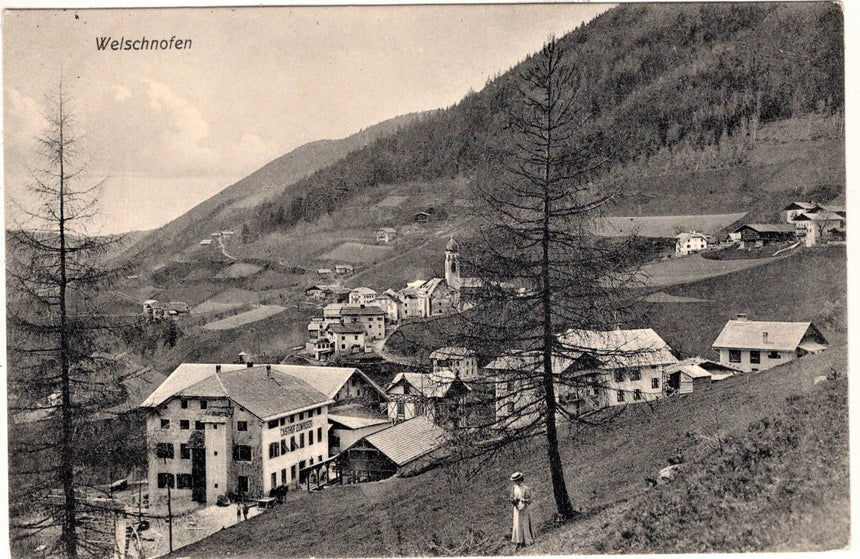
[[170, 128]]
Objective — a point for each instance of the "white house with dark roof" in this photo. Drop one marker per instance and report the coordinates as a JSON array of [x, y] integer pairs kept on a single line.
[[386, 234], [214, 429], [362, 296], [439, 396], [756, 345]]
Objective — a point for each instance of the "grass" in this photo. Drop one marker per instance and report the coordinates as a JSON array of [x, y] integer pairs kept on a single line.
[[356, 252], [808, 285], [664, 226], [605, 467], [692, 268], [241, 319]]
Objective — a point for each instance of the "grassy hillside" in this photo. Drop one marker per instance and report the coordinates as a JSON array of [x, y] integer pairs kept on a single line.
[[767, 420]]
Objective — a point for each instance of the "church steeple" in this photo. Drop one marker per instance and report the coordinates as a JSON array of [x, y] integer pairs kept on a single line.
[[452, 264]]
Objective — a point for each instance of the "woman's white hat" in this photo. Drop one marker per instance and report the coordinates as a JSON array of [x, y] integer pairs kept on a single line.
[[517, 476]]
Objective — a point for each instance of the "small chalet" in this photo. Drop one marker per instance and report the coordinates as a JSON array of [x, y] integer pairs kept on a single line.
[[759, 234], [688, 243], [386, 235], [206, 242], [755, 345], [441, 396], [422, 217], [343, 269], [405, 449]]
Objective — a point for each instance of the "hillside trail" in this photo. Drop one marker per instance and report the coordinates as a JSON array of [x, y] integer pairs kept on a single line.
[[224, 250]]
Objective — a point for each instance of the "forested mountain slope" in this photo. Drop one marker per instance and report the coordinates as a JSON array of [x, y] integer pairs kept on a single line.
[[691, 84]]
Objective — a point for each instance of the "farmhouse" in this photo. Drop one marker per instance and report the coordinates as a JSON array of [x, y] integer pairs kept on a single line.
[[405, 449], [597, 370], [386, 235], [688, 243], [219, 429], [791, 211], [759, 234], [753, 345], [815, 227]]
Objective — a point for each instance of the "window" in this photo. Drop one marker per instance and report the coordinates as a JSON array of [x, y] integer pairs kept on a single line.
[[510, 385], [755, 357], [274, 450], [319, 434], [292, 418], [284, 476], [596, 391], [401, 409], [655, 382], [198, 425], [301, 440], [619, 376], [293, 443], [620, 395], [203, 404], [165, 480], [242, 484], [635, 375], [242, 453], [282, 421], [273, 424], [301, 416], [183, 403], [165, 423], [310, 438], [637, 394], [274, 479], [183, 481], [311, 462], [319, 411], [293, 471], [184, 424], [283, 446], [184, 451], [510, 407], [241, 425], [734, 356], [164, 450], [419, 409], [773, 355]]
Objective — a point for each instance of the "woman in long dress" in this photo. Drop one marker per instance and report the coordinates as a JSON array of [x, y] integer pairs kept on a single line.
[[521, 499]]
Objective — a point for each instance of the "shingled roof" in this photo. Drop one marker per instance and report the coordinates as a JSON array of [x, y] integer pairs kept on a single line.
[[409, 440]]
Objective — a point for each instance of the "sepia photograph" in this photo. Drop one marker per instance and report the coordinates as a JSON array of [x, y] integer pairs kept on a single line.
[[425, 280]]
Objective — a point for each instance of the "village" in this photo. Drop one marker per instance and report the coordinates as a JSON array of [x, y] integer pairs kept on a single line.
[[252, 432]]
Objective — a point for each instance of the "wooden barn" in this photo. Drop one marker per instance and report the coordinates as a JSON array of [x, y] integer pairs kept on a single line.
[[406, 449]]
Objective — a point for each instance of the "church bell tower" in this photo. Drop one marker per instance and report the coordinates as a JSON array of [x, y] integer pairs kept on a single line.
[[452, 264]]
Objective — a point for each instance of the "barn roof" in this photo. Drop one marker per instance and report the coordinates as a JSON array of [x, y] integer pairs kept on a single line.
[[356, 416], [763, 335], [409, 440], [528, 361], [799, 206]]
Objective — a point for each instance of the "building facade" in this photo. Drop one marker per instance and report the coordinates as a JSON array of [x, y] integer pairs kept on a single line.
[[753, 345], [232, 430]]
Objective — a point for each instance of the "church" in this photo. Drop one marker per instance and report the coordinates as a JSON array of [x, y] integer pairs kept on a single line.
[[439, 296]]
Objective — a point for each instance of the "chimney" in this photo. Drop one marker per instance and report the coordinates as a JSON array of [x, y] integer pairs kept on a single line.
[[217, 368], [743, 316], [268, 371], [764, 337]]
